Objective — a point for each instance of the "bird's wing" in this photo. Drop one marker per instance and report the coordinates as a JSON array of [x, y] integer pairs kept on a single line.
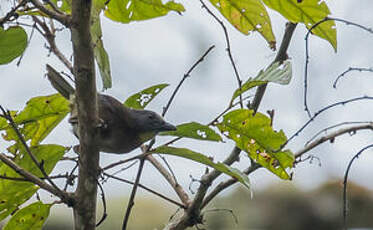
[[59, 83]]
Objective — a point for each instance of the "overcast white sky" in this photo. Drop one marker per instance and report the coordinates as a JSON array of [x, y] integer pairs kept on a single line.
[[162, 50]]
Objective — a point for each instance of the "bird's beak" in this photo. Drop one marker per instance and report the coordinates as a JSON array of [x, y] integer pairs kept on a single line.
[[167, 127]]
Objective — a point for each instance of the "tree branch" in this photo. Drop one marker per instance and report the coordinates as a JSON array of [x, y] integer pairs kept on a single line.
[[62, 18], [131, 201], [331, 137], [86, 99], [170, 179], [280, 57], [64, 196]]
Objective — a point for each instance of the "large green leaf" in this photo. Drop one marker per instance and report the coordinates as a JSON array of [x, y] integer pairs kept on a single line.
[[254, 134], [141, 99], [126, 11], [200, 158], [308, 12], [41, 115], [13, 43], [31, 217], [246, 16], [194, 130], [14, 193], [101, 56], [277, 72]]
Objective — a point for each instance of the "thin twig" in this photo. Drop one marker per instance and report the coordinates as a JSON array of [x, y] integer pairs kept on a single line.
[[170, 179], [370, 30], [323, 110], [131, 201], [331, 137], [335, 126], [70, 178], [186, 75], [12, 13], [225, 184], [50, 37], [104, 214], [28, 43], [112, 165], [125, 168], [228, 49], [345, 184], [350, 69], [61, 176], [147, 189]]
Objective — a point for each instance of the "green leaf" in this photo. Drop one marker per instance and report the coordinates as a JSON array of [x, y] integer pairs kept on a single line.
[[41, 115], [126, 11], [13, 43], [249, 84], [31, 217], [194, 130], [62, 5], [48, 154], [200, 158], [254, 135], [307, 12], [14, 193], [277, 72], [141, 99], [246, 16], [101, 56]]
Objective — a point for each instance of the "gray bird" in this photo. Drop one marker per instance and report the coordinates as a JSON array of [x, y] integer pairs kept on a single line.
[[122, 129]]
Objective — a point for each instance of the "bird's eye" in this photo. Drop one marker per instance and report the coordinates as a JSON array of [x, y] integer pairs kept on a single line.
[[151, 117]]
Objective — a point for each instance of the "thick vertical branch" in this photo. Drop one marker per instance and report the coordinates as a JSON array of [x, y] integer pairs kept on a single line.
[[86, 99]]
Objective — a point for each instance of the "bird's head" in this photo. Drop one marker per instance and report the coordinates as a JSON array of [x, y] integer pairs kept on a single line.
[[149, 123]]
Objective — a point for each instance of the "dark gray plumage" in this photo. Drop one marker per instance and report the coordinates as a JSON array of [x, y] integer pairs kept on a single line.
[[122, 129]]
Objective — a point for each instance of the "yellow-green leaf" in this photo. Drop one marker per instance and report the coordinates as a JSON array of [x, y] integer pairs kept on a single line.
[[42, 114], [246, 16], [31, 217], [13, 42], [308, 12], [194, 130], [126, 11], [255, 135]]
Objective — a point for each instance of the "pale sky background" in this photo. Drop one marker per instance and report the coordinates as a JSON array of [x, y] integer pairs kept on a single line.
[[162, 50]]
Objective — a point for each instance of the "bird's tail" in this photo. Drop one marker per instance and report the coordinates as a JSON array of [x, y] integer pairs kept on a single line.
[[59, 83]]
